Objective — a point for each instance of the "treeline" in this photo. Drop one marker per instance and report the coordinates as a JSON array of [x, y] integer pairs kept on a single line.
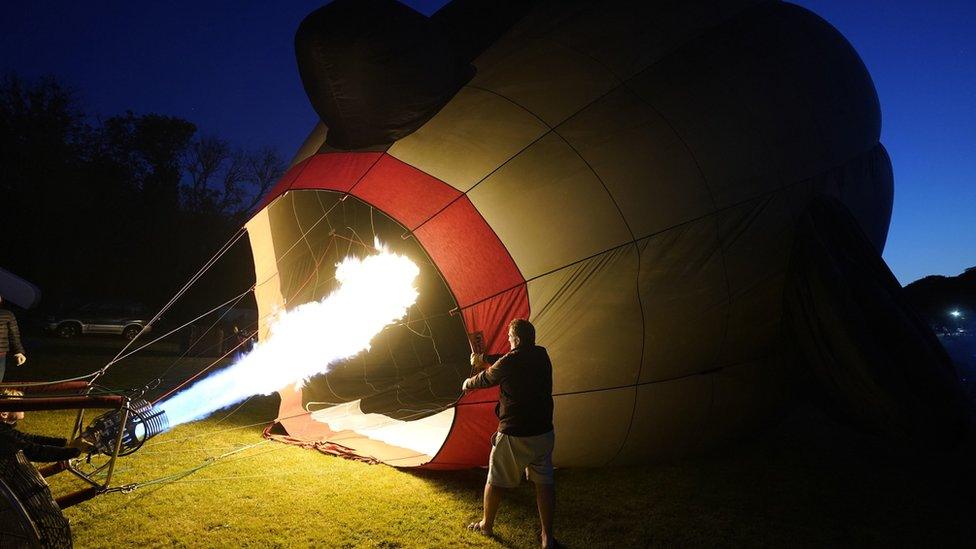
[[937, 297], [128, 207]]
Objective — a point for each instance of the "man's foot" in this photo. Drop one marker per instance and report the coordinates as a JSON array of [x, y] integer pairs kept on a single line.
[[550, 542], [480, 527]]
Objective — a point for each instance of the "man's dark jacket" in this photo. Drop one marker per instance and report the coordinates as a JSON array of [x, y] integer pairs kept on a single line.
[[525, 396], [35, 447], [9, 333]]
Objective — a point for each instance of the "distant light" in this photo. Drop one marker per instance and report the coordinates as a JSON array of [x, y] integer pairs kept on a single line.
[[955, 313]]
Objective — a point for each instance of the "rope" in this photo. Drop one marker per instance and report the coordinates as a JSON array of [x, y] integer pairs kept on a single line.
[[177, 476], [180, 476], [308, 279], [152, 384], [279, 419], [41, 383], [313, 272], [234, 411], [235, 299], [125, 352], [210, 262], [201, 372], [122, 354]]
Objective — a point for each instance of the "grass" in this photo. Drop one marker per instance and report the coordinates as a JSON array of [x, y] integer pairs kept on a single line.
[[805, 482]]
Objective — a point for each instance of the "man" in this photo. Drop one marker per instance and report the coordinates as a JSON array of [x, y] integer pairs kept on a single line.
[[525, 437], [16, 448], [9, 340], [35, 447]]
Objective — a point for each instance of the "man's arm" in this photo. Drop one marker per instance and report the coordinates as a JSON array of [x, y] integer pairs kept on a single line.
[[14, 332], [47, 441], [43, 452], [41, 448], [492, 376]]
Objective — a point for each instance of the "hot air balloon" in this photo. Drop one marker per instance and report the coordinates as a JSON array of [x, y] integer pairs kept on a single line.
[[688, 200]]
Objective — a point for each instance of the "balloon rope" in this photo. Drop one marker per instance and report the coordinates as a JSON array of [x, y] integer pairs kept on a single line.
[[168, 479], [308, 279], [234, 299], [159, 378], [176, 476], [220, 253]]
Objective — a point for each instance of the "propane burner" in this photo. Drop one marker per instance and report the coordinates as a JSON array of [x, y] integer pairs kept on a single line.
[[142, 423]]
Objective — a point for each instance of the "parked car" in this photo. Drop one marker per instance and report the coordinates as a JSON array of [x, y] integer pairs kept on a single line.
[[103, 317]]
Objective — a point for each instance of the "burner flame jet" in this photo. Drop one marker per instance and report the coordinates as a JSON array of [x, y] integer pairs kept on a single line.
[[374, 292]]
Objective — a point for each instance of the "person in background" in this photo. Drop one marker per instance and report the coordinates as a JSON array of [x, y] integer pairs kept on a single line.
[[525, 437], [243, 341], [9, 340]]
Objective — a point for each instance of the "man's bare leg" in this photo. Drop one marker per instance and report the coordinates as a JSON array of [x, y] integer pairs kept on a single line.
[[493, 497], [545, 498]]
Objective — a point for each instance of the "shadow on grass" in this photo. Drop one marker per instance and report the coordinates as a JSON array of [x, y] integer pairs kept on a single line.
[[807, 481]]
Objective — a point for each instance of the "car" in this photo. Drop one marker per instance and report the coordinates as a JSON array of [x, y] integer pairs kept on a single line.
[[127, 319]]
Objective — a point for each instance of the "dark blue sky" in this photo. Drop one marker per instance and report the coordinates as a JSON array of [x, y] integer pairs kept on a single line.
[[229, 67]]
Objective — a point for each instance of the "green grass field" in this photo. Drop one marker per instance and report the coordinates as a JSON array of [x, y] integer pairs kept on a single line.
[[804, 482]]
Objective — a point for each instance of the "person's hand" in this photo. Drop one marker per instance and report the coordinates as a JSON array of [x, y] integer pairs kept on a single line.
[[21, 358], [464, 386], [478, 361], [81, 444]]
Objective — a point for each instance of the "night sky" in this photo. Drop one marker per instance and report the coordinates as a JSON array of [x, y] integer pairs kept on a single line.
[[230, 68]]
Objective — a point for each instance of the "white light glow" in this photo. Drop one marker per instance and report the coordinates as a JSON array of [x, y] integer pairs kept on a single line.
[[373, 292], [955, 314], [425, 435]]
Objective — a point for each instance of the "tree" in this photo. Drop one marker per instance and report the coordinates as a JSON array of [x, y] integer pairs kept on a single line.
[[127, 207], [152, 146], [43, 140], [222, 180], [265, 167]]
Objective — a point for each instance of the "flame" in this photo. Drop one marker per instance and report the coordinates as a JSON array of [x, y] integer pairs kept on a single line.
[[373, 292]]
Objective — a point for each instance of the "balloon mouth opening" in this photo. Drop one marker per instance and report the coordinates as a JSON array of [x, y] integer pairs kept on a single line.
[[414, 368]]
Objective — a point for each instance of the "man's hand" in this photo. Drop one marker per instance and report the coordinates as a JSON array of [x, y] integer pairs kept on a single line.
[[478, 361], [81, 444], [21, 358], [464, 386]]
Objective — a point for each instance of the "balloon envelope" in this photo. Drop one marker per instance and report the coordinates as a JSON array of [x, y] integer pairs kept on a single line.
[[626, 175]]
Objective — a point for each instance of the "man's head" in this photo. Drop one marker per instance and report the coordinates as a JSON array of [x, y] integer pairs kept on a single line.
[[521, 333], [11, 417]]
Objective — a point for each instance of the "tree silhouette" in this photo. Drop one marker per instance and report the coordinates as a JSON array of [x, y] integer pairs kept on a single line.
[[128, 207]]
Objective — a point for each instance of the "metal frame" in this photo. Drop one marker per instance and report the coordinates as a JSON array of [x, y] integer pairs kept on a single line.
[[88, 477], [118, 403]]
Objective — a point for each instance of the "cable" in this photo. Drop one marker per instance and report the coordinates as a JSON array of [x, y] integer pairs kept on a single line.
[[201, 372], [314, 271], [213, 259], [41, 383], [174, 330], [159, 378], [176, 476]]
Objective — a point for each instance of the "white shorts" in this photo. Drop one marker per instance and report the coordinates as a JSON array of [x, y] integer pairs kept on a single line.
[[511, 456]]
